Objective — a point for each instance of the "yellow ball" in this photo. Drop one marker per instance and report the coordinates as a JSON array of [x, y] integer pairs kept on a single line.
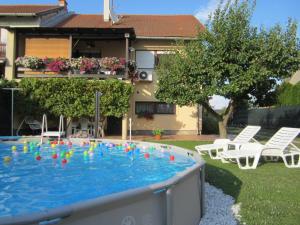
[[25, 149], [53, 145], [14, 148], [68, 155], [71, 152], [91, 149], [6, 159]]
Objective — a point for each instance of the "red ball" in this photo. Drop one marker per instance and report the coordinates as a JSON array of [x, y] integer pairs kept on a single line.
[[64, 161], [55, 142], [38, 158], [147, 155], [62, 142], [172, 157], [54, 156], [126, 150]]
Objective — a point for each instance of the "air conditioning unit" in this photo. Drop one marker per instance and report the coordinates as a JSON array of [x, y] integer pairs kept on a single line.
[[145, 75]]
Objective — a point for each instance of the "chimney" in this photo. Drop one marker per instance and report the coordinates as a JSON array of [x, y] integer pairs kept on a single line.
[[63, 3], [106, 10]]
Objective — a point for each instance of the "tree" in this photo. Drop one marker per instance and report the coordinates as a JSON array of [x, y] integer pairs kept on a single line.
[[230, 58], [289, 94], [75, 97]]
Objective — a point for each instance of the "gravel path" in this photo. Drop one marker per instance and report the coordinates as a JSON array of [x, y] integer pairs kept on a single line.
[[219, 208]]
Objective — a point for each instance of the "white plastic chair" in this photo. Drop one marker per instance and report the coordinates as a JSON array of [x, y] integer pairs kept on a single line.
[[279, 146], [220, 145]]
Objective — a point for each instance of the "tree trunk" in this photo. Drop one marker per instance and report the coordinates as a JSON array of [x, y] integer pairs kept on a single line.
[[222, 129], [225, 117], [222, 119], [102, 127], [69, 126]]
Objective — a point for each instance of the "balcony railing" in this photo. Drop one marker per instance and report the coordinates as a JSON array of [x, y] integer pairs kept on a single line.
[[2, 50], [76, 67]]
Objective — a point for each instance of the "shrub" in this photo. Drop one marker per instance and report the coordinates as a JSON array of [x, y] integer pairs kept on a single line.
[[289, 94]]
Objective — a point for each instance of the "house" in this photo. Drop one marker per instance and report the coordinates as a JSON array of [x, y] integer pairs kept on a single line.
[[3, 35], [53, 31]]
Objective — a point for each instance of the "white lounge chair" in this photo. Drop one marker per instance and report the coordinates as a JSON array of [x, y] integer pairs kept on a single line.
[[219, 145], [279, 146], [45, 133]]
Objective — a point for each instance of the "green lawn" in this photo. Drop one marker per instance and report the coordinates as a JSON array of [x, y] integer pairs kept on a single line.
[[268, 195]]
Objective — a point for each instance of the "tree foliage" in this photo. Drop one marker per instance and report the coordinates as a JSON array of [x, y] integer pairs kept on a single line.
[[289, 94], [230, 58], [75, 97]]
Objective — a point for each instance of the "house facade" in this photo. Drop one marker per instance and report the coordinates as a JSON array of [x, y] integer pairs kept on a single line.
[[53, 31]]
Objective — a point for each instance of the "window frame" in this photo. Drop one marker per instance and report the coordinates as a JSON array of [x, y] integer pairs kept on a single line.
[[155, 108]]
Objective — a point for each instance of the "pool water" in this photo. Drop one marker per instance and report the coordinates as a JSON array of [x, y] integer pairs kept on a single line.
[[33, 181]]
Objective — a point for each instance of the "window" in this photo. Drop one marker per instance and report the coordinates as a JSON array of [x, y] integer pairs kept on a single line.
[[154, 108]]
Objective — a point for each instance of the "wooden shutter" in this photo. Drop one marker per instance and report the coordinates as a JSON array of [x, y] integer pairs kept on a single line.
[[51, 47]]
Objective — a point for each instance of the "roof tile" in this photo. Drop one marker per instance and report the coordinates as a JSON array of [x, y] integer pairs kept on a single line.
[[26, 9], [144, 25]]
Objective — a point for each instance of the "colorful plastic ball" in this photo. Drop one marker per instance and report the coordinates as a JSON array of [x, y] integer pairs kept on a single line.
[[38, 158], [61, 142], [137, 151], [36, 153], [48, 142], [62, 155], [172, 157], [64, 161], [54, 156], [6, 159], [68, 155], [14, 148], [147, 155], [71, 152], [85, 153], [53, 145], [25, 149]]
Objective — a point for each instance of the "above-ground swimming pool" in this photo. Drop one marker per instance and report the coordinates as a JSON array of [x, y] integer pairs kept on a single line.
[[101, 182]]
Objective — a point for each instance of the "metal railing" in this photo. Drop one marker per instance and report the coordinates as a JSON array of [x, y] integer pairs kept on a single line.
[[2, 50]]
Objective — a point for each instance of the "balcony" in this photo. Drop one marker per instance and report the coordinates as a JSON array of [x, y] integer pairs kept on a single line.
[[93, 68], [2, 50]]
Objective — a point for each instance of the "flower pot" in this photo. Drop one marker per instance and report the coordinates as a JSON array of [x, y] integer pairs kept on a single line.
[[157, 137]]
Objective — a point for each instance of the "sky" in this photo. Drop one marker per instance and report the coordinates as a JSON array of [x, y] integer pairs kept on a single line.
[[267, 12]]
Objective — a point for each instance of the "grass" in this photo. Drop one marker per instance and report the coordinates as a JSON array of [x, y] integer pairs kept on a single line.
[[268, 195]]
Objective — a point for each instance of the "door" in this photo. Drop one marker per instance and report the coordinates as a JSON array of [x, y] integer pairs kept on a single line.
[[114, 126]]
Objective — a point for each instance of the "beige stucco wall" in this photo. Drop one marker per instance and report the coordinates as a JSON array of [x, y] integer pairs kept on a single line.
[[10, 54], [184, 121]]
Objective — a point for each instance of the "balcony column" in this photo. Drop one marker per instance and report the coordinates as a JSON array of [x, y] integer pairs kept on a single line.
[[124, 126], [10, 55], [127, 36]]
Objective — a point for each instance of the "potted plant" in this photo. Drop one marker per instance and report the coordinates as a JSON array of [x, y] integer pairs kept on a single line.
[[157, 133]]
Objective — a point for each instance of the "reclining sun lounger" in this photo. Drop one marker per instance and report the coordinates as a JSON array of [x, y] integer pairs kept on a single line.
[[245, 136], [279, 146]]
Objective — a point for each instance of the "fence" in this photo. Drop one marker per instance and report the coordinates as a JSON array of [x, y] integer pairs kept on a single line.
[[268, 118]]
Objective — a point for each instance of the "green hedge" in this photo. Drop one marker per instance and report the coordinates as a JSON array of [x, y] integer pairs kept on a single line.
[[289, 94]]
